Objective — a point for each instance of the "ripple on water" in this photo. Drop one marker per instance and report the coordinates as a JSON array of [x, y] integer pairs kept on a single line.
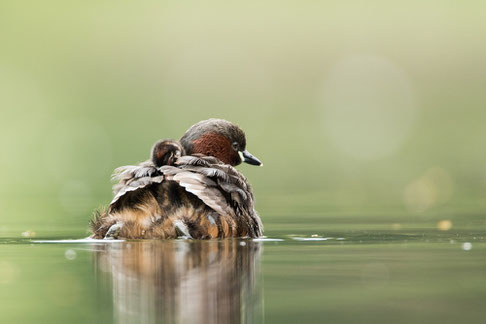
[[267, 239]]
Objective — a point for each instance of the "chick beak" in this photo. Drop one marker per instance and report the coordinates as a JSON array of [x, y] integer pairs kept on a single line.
[[250, 159]]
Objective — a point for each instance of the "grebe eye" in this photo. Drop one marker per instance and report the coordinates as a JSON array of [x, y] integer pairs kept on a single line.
[[235, 146]]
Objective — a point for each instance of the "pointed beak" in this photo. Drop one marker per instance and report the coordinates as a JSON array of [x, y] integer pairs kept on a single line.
[[250, 159]]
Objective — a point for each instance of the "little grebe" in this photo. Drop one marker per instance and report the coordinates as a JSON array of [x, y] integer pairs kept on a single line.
[[188, 188]]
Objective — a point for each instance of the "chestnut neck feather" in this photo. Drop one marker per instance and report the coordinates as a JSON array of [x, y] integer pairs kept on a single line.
[[217, 145]]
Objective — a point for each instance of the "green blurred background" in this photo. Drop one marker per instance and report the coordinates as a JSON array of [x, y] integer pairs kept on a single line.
[[363, 108]]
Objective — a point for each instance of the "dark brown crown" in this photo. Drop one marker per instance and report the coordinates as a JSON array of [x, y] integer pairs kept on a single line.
[[215, 137]]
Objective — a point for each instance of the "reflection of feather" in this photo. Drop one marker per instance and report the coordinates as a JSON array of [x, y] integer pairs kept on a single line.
[[180, 281]]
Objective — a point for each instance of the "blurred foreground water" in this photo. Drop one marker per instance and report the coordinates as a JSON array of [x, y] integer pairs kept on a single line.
[[394, 273]]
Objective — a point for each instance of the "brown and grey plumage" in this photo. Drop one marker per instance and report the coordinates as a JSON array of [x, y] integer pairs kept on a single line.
[[188, 188]]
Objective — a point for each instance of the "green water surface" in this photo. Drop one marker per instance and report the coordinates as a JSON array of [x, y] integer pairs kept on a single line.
[[303, 272]]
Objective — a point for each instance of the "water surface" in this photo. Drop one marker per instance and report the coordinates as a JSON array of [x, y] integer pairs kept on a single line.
[[394, 273]]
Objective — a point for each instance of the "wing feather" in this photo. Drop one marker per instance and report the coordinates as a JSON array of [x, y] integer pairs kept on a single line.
[[218, 185]]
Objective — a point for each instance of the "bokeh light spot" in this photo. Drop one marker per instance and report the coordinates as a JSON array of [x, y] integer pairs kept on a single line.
[[434, 187], [444, 225]]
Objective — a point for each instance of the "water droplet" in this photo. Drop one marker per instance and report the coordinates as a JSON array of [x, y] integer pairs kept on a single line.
[[70, 254]]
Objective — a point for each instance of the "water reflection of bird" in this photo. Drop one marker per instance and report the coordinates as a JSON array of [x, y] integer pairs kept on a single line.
[[183, 281], [189, 188]]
